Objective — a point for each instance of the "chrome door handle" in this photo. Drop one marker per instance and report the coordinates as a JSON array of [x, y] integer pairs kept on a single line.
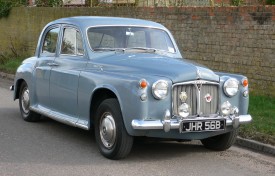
[[53, 64]]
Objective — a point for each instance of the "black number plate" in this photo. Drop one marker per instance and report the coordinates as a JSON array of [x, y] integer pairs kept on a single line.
[[206, 125]]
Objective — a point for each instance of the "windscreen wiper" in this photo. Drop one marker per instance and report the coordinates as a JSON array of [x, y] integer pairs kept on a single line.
[[109, 49], [144, 49]]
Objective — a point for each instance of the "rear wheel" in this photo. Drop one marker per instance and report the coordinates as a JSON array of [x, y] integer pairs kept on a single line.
[[24, 105], [221, 142], [111, 136]]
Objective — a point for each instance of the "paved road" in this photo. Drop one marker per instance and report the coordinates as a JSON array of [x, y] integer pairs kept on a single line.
[[51, 148]]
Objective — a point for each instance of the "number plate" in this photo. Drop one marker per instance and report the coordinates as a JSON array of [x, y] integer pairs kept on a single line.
[[205, 125]]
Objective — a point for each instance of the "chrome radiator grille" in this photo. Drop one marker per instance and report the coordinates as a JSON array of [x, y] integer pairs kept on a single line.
[[202, 98]]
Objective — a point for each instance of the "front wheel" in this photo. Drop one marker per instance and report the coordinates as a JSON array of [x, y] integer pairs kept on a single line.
[[24, 105], [220, 142], [111, 136]]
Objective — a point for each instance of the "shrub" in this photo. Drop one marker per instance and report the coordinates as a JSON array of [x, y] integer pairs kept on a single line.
[[270, 2], [5, 7]]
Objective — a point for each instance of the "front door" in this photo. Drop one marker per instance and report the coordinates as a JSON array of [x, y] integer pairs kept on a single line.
[[64, 75], [47, 54]]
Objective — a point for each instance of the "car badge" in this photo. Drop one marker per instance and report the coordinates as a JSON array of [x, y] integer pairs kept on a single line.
[[208, 98], [183, 96]]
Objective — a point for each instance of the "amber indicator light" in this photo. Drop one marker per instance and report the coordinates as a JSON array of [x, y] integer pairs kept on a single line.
[[143, 84], [245, 82]]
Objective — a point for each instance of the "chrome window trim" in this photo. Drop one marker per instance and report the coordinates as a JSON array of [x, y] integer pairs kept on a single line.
[[45, 32], [63, 27], [152, 27]]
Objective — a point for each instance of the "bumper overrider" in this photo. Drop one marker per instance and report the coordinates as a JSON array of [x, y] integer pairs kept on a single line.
[[170, 122]]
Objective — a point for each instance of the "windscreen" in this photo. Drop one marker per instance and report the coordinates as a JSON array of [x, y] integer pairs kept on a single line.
[[127, 37]]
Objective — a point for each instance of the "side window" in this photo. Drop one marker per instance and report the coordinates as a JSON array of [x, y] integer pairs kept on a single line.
[[72, 42], [50, 42], [79, 44]]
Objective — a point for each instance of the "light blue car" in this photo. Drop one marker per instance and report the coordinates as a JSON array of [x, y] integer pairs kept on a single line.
[[124, 78]]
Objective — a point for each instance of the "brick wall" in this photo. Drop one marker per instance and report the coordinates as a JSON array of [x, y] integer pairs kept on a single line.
[[228, 39]]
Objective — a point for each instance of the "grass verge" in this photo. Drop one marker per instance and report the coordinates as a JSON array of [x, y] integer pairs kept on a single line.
[[262, 110], [10, 65]]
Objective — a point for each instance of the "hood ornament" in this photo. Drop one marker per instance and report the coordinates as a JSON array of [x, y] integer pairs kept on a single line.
[[198, 74]]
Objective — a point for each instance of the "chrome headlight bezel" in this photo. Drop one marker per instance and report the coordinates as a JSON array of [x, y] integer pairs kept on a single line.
[[231, 87], [160, 89]]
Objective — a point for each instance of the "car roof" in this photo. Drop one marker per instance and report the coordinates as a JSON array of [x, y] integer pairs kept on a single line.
[[88, 21]]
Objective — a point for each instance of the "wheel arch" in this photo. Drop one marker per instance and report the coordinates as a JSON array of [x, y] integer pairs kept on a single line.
[[100, 94], [17, 88]]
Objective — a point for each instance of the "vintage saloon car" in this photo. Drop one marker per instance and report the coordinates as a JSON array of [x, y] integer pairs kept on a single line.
[[126, 77]]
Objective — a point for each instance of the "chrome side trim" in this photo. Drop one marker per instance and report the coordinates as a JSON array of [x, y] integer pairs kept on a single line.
[[68, 120], [175, 124]]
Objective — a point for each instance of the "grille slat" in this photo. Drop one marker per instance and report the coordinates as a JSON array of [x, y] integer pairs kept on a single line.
[[192, 91]]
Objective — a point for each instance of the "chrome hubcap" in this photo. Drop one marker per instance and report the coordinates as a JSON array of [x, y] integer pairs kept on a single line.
[[25, 101], [107, 129]]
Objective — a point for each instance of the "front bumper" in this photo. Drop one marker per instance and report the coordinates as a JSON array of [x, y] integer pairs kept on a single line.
[[169, 123]]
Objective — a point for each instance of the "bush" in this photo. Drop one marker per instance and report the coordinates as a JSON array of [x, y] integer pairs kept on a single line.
[[270, 2], [237, 2], [5, 7], [49, 3]]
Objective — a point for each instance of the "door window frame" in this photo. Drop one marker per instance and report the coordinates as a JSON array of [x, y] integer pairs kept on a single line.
[[43, 39], [61, 40]]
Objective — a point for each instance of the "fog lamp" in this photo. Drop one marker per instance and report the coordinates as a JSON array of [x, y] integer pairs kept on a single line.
[[184, 110], [226, 108]]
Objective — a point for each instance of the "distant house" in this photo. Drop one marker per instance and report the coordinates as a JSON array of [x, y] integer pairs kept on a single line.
[[65, 2], [145, 3], [74, 2]]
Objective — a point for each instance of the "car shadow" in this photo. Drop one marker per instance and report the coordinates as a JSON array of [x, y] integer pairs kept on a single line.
[[51, 142], [146, 149]]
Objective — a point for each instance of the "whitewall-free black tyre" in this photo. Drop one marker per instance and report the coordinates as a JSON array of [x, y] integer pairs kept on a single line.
[[111, 136], [24, 105], [221, 142]]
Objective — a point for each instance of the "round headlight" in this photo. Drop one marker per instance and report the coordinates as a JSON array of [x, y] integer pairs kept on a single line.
[[231, 87], [160, 89]]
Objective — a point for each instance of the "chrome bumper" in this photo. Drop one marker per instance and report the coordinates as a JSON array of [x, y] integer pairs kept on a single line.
[[168, 124]]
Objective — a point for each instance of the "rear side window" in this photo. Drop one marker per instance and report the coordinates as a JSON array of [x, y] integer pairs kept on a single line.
[[50, 42], [72, 42]]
